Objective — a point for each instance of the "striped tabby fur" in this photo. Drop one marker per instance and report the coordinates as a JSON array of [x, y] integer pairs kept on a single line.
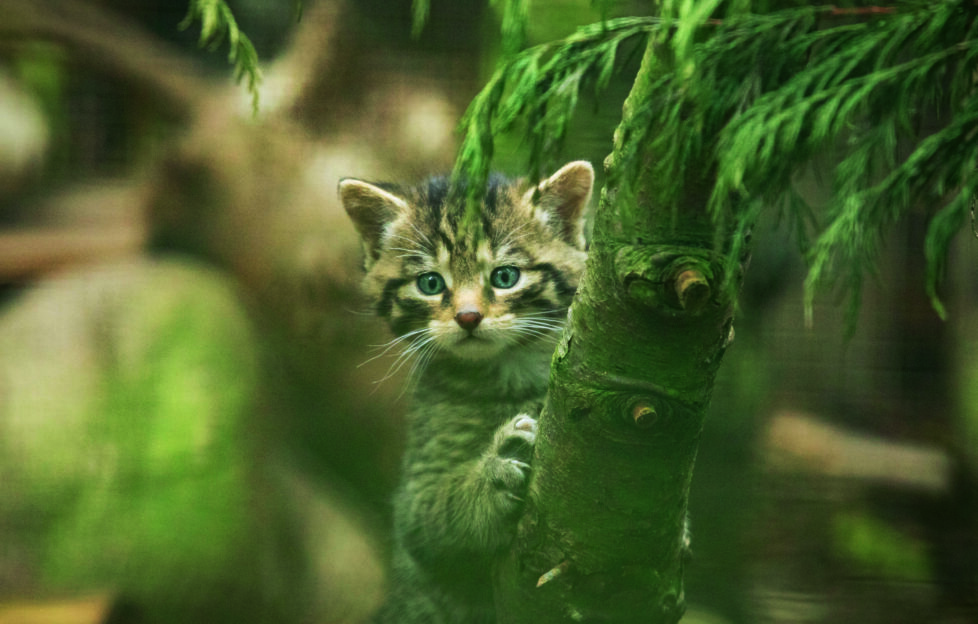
[[477, 316]]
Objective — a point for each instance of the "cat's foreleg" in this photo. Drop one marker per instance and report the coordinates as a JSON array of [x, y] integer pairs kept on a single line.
[[495, 488], [474, 508], [505, 466]]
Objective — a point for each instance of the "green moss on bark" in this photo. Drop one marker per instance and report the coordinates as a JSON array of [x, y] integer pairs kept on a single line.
[[603, 536]]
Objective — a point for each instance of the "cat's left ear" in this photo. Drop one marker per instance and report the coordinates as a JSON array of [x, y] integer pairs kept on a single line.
[[566, 194]]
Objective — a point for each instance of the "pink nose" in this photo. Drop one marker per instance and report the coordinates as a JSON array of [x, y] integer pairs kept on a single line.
[[468, 319]]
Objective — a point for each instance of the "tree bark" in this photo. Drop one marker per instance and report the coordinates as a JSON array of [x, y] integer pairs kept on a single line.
[[603, 536]]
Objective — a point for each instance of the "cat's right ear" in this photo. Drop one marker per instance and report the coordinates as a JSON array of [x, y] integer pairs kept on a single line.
[[566, 194], [372, 209]]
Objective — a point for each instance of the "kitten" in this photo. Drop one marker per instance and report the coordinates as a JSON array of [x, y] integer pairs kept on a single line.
[[481, 315]]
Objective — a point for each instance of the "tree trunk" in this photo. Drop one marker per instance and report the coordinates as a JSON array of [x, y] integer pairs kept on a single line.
[[603, 537]]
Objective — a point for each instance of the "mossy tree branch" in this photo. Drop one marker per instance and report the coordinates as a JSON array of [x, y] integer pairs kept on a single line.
[[603, 535]]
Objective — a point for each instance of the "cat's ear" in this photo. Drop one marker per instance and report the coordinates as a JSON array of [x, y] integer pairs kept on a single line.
[[372, 209], [566, 194]]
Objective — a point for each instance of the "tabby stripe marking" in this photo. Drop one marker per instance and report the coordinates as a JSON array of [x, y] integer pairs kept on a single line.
[[557, 277], [386, 301]]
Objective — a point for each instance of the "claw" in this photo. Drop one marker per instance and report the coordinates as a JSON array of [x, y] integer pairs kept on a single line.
[[525, 423]]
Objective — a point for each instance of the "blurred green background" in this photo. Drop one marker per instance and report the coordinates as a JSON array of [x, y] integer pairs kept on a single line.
[[187, 435]]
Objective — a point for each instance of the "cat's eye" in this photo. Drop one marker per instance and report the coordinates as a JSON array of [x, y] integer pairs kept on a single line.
[[504, 276], [431, 283]]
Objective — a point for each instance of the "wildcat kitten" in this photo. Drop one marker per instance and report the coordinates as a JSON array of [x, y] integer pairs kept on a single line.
[[481, 314]]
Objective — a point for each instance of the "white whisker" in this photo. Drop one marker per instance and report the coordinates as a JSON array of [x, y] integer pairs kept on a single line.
[[426, 248], [408, 253], [549, 320], [539, 331], [545, 314], [539, 325], [397, 339], [509, 239], [404, 356], [419, 366], [422, 235], [390, 344], [525, 331]]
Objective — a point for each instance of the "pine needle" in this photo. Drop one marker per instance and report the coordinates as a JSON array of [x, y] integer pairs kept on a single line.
[[217, 23]]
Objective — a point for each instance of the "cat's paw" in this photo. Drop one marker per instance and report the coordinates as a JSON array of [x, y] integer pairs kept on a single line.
[[508, 462]]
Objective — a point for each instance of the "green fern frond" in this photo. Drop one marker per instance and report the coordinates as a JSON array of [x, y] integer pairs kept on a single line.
[[515, 18], [217, 23], [541, 86], [942, 229], [942, 163], [862, 93]]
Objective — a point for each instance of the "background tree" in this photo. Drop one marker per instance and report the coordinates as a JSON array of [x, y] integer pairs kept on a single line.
[[229, 289]]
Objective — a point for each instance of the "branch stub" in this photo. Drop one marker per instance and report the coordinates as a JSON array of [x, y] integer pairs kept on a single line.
[[692, 289], [644, 416]]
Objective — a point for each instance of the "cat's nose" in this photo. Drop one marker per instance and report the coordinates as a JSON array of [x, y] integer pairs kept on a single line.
[[468, 319]]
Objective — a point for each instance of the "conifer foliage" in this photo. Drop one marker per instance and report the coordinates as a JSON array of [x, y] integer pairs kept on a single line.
[[884, 92], [217, 23]]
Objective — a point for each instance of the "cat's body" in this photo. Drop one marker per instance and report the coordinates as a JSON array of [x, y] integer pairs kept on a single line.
[[480, 311]]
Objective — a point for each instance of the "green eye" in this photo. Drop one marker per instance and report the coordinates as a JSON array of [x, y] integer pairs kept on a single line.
[[431, 283], [504, 276]]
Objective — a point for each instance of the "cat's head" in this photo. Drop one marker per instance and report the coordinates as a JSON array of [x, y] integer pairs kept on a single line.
[[473, 295]]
